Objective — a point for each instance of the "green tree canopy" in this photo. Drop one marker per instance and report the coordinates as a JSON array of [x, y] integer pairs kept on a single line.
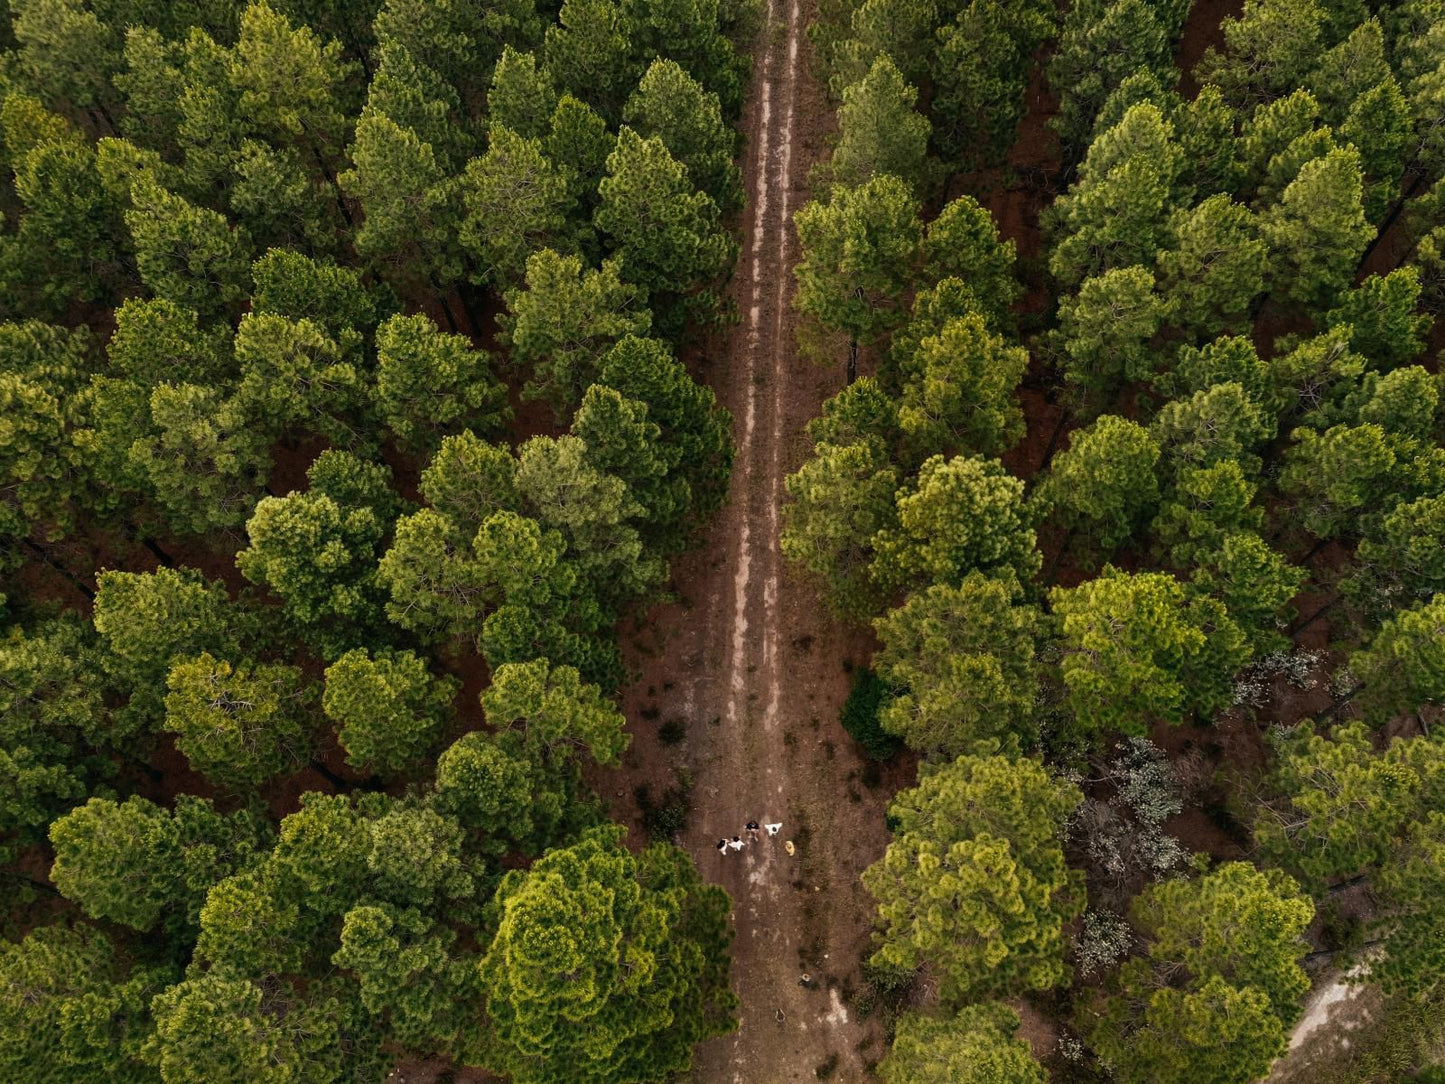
[[605, 966], [961, 661], [430, 384], [389, 710], [1137, 647], [959, 515], [841, 499], [1219, 982], [978, 1046], [666, 232], [566, 319], [879, 132], [238, 725], [974, 882]]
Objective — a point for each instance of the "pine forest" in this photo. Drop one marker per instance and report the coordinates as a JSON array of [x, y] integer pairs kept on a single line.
[[722, 541]]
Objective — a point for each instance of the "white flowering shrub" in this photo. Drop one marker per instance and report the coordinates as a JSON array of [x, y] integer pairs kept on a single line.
[[1104, 940]]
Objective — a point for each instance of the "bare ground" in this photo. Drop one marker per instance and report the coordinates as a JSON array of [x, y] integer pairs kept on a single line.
[[752, 670]]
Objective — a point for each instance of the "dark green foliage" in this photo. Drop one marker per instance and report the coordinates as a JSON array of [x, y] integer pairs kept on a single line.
[[860, 716]]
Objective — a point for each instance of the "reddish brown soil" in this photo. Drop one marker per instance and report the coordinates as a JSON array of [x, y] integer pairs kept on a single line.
[[754, 668]]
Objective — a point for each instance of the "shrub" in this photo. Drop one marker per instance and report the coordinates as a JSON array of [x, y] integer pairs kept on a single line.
[[860, 716]]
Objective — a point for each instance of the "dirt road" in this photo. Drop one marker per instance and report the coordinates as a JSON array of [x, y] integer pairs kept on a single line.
[[750, 667]]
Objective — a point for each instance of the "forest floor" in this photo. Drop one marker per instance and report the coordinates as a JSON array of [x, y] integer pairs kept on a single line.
[[742, 677]]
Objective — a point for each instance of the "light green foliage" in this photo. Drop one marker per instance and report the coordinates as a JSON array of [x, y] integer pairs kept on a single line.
[[958, 391], [1230, 359], [1317, 232], [34, 472], [435, 585], [514, 201], [318, 550], [589, 52], [1138, 648], [410, 216], [692, 422], [1344, 806], [294, 376], [605, 967], [1351, 68], [288, 80], [299, 288], [842, 498], [416, 96], [1205, 505], [491, 785], [1380, 127], [1217, 268], [595, 511], [1206, 134], [1255, 584], [238, 725], [430, 384], [1268, 50], [1309, 383], [565, 320], [203, 463], [1270, 133], [216, 1029], [963, 243], [860, 249], [862, 411], [468, 479], [1105, 330], [579, 140], [410, 978], [388, 708], [878, 130], [186, 254], [1117, 213], [978, 1046], [1403, 667], [65, 53], [623, 442], [149, 619], [1411, 888], [70, 1010], [959, 515], [1220, 423], [1335, 475], [672, 105], [53, 716], [899, 29], [974, 882], [666, 232], [1104, 484], [1385, 327], [1220, 981], [1404, 558], [556, 711], [1405, 403], [157, 340], [135, 863], [521, 97], [961, 663]]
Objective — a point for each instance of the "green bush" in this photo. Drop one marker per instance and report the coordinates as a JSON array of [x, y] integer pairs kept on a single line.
[[860, 716]]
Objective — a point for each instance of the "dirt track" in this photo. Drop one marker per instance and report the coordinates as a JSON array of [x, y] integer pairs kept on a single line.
[[754, 668]]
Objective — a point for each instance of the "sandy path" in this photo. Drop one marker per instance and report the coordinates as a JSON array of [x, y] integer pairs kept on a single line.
[[753, 666]]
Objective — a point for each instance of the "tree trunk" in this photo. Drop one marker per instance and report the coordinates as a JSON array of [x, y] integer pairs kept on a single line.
[[75, 580], [852, 374], [1390, 218]]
